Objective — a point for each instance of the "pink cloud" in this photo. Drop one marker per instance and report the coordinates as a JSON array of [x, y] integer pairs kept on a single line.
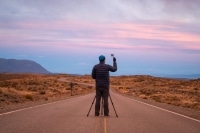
[[74, 34], [154, 32]]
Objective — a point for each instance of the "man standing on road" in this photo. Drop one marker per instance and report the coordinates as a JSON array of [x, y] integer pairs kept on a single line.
[[100, 73]]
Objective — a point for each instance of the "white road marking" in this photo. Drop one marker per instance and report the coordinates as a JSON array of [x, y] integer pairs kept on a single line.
[[166, 110], [39, 105]]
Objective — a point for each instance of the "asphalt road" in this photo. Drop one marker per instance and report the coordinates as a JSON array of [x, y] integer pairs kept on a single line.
[[70, 116]]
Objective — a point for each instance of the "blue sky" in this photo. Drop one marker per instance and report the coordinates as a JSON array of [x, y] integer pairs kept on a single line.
[[67, 36]]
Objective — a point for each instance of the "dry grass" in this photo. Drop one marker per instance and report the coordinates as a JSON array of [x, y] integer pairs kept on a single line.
[[22, 88], [185, 93]]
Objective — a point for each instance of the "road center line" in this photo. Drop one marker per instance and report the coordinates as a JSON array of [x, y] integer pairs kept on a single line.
[[105, 126]]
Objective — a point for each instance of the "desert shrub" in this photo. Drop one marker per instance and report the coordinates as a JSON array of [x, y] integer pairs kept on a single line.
[[75, 84], [146, 92], [29, 97], [90, 87], [120, 87], [139, 80], [14, 84], [128, 88], [5, 84], [42, 92], [31, 82], [57, 85], [69, 88], [18, 87], [56, 90], [156, 98], [2, 99], [143, 96], [33, 88]]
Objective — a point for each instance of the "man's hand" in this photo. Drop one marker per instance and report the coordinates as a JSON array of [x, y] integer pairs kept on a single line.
[[114, 59]]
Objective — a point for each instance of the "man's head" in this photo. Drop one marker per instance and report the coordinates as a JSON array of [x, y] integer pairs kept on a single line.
[[102, 58]]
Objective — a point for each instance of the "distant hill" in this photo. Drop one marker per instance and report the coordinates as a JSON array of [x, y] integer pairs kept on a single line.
[[187, 76], [182, 76], [21, 66]]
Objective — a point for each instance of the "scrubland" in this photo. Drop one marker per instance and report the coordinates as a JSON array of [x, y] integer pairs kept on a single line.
[[18, 89], [179, 92]]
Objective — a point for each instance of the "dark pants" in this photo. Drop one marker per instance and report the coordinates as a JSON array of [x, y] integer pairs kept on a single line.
[[102, 93]]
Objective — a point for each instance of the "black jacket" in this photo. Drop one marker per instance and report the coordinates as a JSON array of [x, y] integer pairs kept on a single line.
[[100, 73]]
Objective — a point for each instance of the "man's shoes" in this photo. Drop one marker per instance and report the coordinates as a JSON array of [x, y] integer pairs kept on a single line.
[[107, 115]]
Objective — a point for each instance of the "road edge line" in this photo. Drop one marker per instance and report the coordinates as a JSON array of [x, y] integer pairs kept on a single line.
[[166, 110], [18, 110]]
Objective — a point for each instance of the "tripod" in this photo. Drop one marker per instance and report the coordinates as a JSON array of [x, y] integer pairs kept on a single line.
[[102, 103]]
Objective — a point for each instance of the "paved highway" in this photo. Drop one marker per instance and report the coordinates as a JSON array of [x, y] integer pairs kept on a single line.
[[70, 116]]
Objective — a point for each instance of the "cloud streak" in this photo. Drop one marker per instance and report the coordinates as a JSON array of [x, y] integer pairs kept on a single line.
[[87, 34], [95, 10]]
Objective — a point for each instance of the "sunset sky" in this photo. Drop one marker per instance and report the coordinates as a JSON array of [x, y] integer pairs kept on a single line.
[[154, 37]]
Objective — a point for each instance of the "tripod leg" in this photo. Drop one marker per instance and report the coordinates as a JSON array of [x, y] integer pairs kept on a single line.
[[113, 105], [91, 107]]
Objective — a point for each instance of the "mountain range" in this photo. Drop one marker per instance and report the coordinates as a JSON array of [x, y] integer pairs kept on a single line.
[[21, 66]]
